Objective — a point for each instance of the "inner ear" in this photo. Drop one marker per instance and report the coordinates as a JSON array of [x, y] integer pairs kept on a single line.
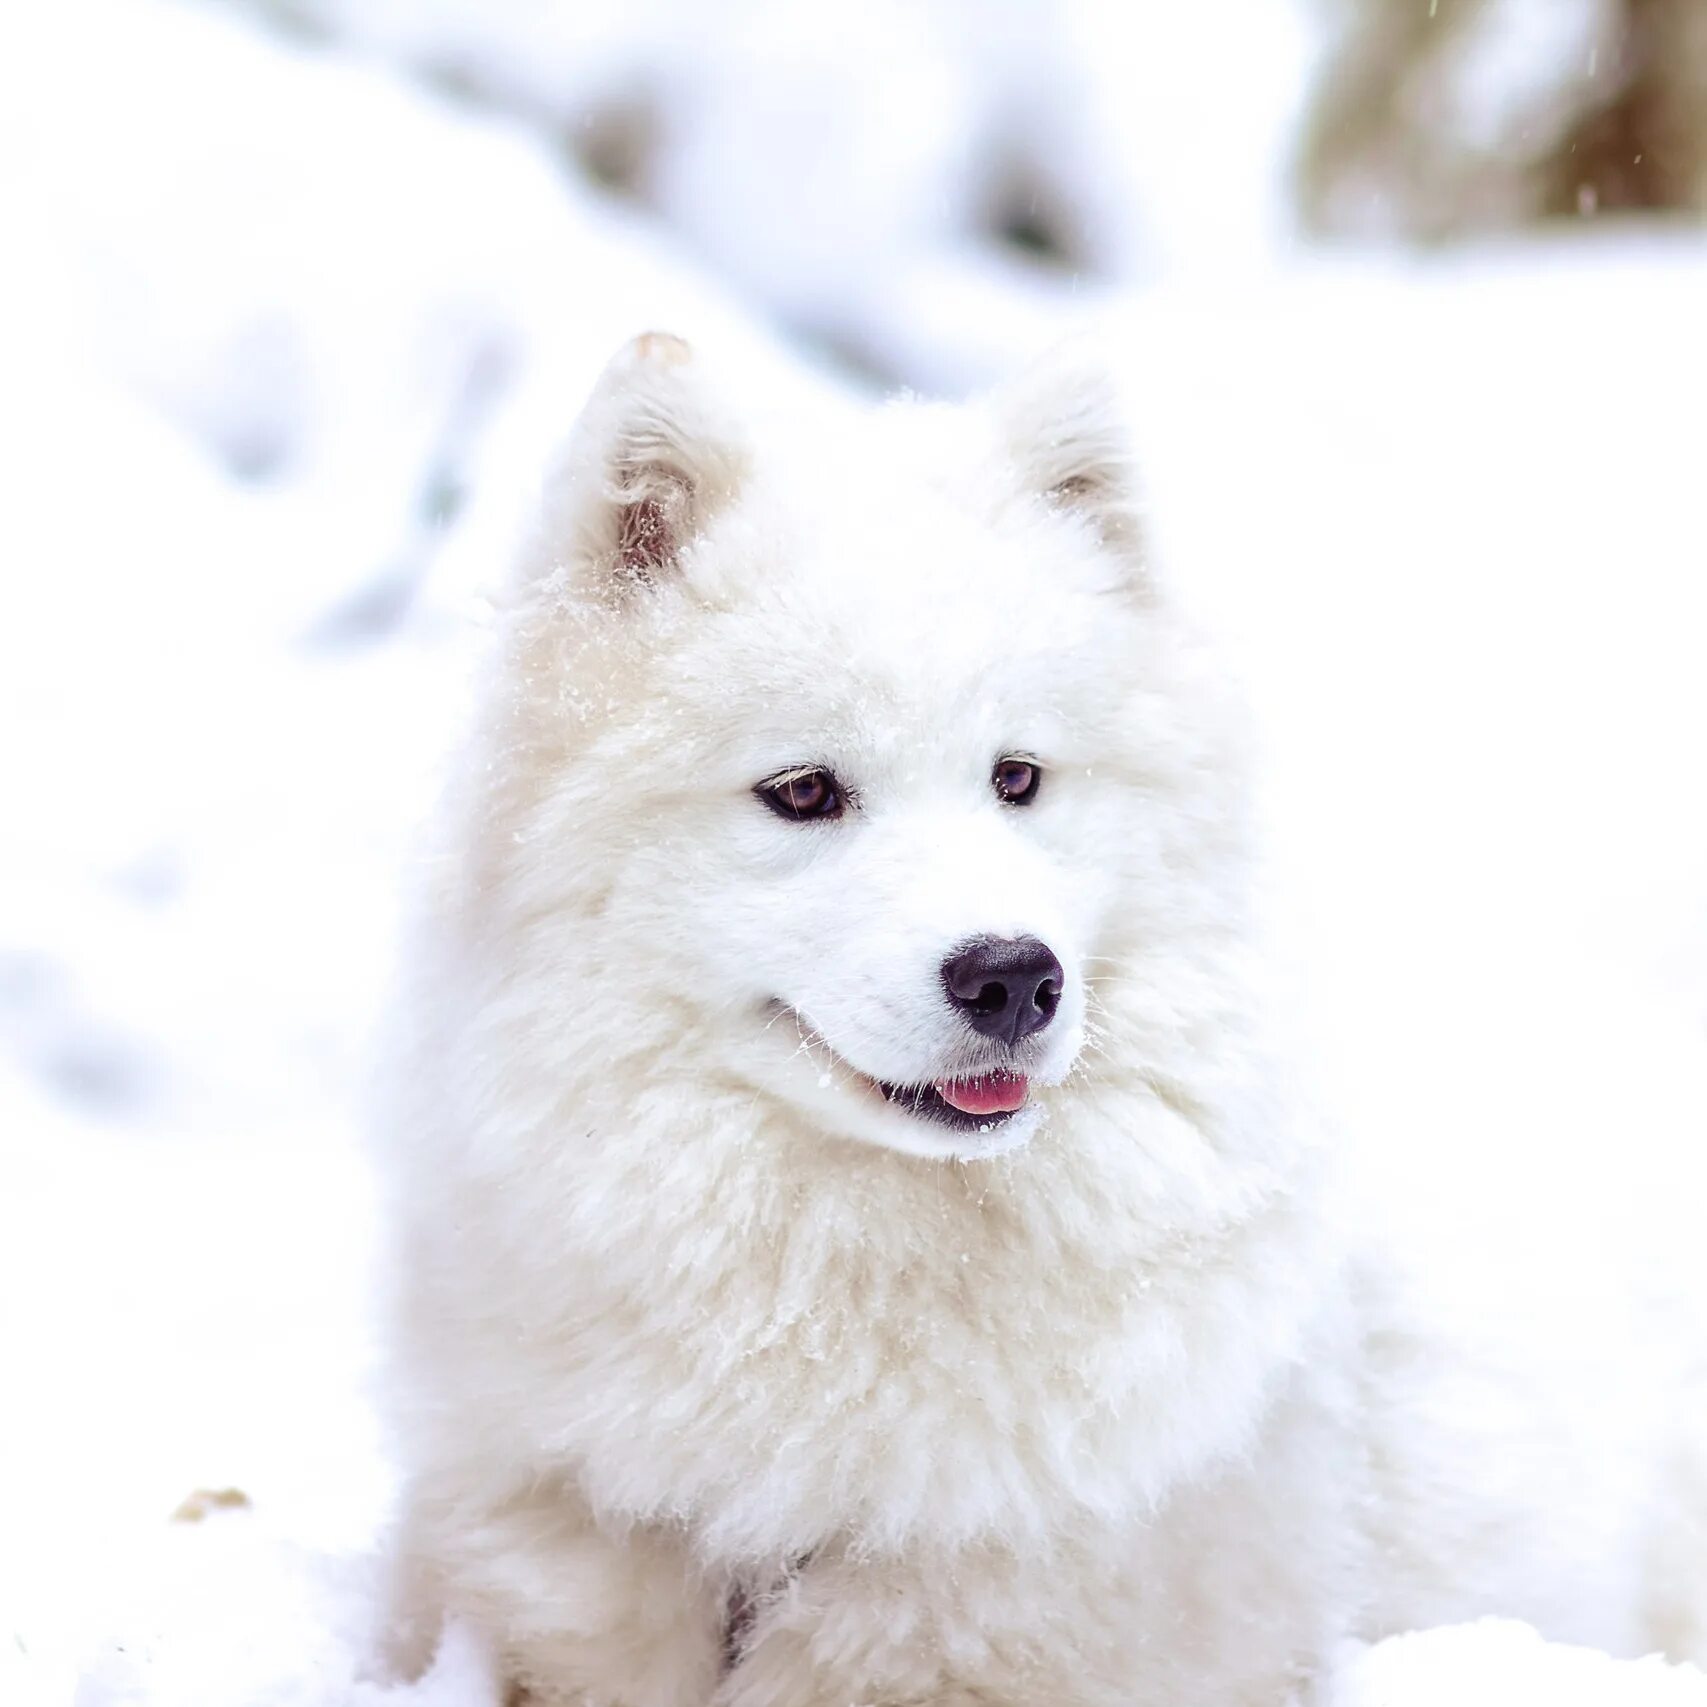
[[1076, 491], [654, 517], [1063, 438], [653, 457]]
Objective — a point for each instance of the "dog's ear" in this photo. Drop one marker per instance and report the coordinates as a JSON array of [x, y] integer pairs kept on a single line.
[[1063, 437], [652, 458]]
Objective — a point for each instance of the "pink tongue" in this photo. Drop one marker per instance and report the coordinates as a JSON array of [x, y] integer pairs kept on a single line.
[[994, 1093]]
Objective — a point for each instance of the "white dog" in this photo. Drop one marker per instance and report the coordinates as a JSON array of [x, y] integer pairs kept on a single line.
[[860, 1238]]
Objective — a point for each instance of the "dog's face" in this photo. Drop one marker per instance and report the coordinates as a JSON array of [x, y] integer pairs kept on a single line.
[[852, 743]]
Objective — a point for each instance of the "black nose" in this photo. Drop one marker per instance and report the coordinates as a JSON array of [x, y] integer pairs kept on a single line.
[[1006, 987]]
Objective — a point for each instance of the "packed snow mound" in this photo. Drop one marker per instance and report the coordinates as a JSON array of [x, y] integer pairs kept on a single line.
[[339, 306], [1498, 1663]]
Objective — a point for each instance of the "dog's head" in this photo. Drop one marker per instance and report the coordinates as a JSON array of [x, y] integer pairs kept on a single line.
[[856, 763]]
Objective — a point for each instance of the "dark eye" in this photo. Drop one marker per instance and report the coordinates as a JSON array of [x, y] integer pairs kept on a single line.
[[1016, 780], [806, 794]]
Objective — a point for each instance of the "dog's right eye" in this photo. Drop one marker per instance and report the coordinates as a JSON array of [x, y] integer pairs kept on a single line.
[[805, 794]]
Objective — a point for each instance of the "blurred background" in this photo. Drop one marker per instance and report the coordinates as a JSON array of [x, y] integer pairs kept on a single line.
[[300, 295]]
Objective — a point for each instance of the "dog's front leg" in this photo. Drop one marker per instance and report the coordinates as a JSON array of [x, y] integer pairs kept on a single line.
[[580, 1615]]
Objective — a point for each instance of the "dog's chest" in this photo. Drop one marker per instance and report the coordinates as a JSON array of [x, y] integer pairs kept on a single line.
[[1254, 1556], [977, 1389], [885, 1354]]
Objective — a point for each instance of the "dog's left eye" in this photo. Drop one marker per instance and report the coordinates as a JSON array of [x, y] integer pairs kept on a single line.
[[1017, 780], [806, 794]]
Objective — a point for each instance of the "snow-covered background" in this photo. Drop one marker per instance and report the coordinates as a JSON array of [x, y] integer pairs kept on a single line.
[[298, 297]]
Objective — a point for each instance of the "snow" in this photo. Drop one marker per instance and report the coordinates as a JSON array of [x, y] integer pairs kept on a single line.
[[1497, 1663], [233, 1615], [288, 337], [845, 166]]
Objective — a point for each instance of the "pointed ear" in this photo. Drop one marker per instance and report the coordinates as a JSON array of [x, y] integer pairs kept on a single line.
[[1062, 433], [652, 458]]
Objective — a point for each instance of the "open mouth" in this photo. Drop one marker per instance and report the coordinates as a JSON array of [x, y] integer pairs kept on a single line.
[[967, 1105], [965, 1102]]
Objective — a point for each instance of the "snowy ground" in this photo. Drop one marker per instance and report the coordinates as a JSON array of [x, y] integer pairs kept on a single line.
[[287, 337]]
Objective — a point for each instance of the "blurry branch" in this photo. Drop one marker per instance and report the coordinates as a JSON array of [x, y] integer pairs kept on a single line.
[[1437, 119]]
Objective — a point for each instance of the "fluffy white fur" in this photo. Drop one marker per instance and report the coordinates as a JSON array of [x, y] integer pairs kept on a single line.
[[718, 1377]]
